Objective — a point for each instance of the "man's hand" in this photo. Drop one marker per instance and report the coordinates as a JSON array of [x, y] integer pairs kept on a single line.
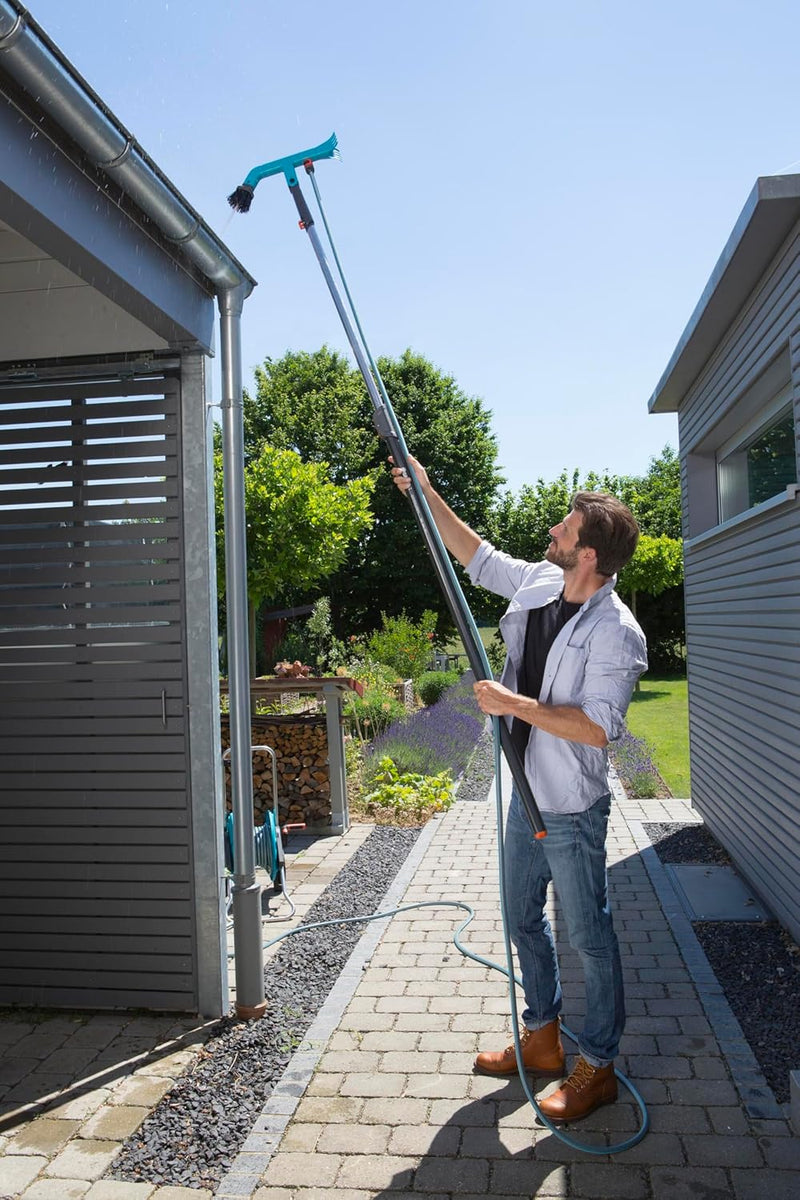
[[494, 699], [401, 479], [562, 720]]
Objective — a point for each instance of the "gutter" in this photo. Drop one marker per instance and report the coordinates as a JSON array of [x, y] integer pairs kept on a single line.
[[39, 67]]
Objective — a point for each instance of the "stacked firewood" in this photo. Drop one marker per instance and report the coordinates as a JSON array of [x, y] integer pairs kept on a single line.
[[301, 749]]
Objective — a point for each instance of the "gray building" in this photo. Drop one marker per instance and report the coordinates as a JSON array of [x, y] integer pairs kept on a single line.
[[110, 776], [734, 381]]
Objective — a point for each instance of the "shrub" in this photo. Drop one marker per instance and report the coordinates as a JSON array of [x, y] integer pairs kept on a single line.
[[632, 759], [409, 794], [441, 737], [496, 653], [367, 717], [431, 684], [403, 644]]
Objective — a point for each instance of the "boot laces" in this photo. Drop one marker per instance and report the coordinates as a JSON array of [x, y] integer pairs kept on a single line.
[[523, 1038], [582, 1074]]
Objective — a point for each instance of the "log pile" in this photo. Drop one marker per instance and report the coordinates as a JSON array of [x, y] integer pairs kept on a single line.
[[301, 749]]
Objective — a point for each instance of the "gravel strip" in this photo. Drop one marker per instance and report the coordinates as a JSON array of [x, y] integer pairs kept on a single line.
[[685, 843], [478, 777], [192, 1137], [756, 963]]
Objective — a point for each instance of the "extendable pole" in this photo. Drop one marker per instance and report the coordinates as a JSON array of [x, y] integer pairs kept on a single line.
[[389, 429]]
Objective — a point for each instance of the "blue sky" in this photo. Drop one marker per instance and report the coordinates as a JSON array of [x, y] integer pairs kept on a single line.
[[532, 195]]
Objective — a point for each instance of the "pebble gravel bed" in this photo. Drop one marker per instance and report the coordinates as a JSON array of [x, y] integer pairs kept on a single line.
[[192, 1137], [756, 963], [479, 775]]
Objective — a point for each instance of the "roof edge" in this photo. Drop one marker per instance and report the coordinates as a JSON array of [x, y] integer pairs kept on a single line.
[[769, 212]]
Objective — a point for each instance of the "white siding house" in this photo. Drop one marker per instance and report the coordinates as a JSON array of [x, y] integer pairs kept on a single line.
[[734, 381]]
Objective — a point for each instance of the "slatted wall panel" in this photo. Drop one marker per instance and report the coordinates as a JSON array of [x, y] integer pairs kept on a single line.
[[743, 627], [95, 892]]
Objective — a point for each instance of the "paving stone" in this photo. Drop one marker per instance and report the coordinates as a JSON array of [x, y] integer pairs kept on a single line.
[[655, 1148], [406, 1111], [322, 1109], [115, 1189], [457, 1112], [755, 1185], [457, 1176], [43, 1136], [660, 1066], [711, 1092], [181, 1193], [436, 1086], [315, 1170], [77, 1105], [386, 1171], [373, 1085], [353, 1139], [141, 1091], [717, 1150], [730, 1120], [302, 1137], [12, 1070], [689, 1183], [421, 1140], [599, 1180], [83, 1159], [17, 1171], [683, 1118], [114, 1122], [783, 1153], [530, 1179], [57, 1189]]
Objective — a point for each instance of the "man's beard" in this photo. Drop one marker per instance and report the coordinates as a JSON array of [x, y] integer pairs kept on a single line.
[[566, 559]]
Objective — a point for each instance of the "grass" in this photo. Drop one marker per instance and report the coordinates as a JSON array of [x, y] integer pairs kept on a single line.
[[659, 713], [456, 646]]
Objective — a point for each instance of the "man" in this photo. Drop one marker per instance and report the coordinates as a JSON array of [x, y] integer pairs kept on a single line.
[[574, 654]]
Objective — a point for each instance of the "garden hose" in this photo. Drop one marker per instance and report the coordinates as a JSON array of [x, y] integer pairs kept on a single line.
[[507, 970]]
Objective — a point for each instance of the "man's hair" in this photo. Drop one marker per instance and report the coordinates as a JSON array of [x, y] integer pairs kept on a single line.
[[608, 527]]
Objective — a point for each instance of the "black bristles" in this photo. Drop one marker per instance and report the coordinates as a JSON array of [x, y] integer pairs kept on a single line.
[[242, 198]]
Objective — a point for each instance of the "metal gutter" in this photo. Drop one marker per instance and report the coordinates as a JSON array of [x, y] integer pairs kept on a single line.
[[38, 66], [771, 209]]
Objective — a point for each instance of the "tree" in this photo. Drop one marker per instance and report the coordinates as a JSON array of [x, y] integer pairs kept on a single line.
[[656, 565], [317, 405], [299, 524], [655, 498]]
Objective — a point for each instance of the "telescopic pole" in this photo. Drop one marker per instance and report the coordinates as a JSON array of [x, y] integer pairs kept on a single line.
[[389, 430]]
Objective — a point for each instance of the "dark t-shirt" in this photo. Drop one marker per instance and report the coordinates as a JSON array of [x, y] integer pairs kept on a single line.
[[544, 625]]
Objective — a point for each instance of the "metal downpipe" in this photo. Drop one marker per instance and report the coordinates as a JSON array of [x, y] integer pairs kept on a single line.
[[247, 932]]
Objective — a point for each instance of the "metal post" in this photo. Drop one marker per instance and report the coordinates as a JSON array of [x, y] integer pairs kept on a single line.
[[340, 814], [247, 934]]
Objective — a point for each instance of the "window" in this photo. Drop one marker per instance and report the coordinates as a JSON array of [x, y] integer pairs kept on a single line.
[[760, 460]]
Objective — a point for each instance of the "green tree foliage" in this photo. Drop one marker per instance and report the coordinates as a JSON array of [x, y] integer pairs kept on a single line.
[[317, 405], [655, 497], [299, 523], [656, 566]]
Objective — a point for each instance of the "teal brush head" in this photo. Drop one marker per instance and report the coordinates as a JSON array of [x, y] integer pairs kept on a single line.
[[242, 198]]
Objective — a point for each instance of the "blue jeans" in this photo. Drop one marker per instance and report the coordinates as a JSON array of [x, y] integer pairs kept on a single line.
[[573, 856]]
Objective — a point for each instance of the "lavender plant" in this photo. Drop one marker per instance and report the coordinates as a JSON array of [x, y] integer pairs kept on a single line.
[[632, 758], [434, 739]]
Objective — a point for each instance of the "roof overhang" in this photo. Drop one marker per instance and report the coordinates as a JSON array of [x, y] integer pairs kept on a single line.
[[771, 210]]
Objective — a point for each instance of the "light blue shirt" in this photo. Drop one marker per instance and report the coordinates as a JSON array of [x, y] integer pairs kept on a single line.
[[593, 665]]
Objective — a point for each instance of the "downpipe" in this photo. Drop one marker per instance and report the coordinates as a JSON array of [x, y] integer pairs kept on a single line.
[[246, 894]]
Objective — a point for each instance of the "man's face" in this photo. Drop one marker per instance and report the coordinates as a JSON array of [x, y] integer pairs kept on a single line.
[[563, 549]]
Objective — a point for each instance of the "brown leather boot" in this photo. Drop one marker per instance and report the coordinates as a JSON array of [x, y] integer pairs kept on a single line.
[[586, 1089], [542, 1054]]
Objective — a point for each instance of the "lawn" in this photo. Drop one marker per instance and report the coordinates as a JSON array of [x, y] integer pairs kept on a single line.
[[659, 714]]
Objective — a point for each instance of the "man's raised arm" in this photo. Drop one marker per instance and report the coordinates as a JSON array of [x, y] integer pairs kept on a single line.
[[460, 540]]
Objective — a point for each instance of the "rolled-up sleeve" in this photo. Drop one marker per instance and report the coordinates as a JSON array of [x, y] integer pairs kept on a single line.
[[614, 662], [498, 572]]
